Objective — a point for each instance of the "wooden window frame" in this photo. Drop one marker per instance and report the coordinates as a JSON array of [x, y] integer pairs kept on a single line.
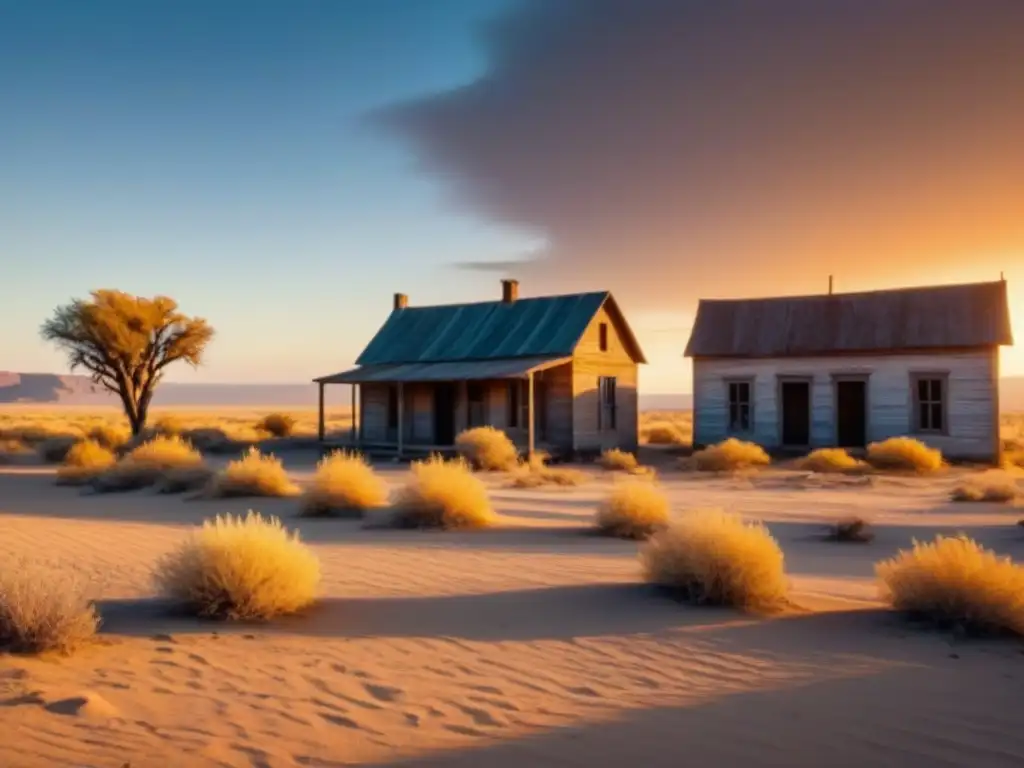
[[602, 337], [729, 383], [481, 387], [518, 403], [604, 384], [916, 377]]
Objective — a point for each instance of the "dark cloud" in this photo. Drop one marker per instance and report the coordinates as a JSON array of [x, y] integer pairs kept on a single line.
[[676, 148]]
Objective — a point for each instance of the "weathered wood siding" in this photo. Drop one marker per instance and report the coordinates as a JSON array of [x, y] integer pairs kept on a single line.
[[374, 412], [972, 398], [589, 364]]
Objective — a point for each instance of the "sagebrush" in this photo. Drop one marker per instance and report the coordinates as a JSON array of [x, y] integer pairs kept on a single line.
[[240, 568], [487, 448], [712, 557], [998, 490], [904, 454], [344, 484], [956, 581], [536, 472], [42, 609], [277, 424], [85, 461], [442, 494], [255, 474], [829, 460], [728, 455], [633, 509], [147, 463]]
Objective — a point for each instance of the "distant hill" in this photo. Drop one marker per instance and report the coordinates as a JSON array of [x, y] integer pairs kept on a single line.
[[54, 389]]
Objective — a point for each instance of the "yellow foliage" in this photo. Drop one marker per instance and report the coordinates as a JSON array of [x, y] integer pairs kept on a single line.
[[443, 494], [633, 510], [487, 448], [535, 472], [954, 580], [255, 474], [344, 483], [147, 463], [240, 568], [829, 460], [84, 461], [711, 557], [730, 454], [42, 610], [904, 454]]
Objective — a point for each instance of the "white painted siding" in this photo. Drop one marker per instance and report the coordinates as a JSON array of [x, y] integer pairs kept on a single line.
[[972, 402]]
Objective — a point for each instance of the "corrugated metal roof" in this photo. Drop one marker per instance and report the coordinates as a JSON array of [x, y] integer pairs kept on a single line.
[[530, 327], [444, 371], [971, 315]]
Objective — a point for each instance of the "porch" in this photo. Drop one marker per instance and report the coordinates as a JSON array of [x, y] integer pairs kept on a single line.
[[415, 409]]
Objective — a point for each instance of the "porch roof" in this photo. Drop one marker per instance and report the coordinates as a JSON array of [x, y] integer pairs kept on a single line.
[[459, 370]]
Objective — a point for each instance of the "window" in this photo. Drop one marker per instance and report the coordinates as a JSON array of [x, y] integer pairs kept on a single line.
[[393, 407], [475, 395], [606, 414], [929, 403], [518, 403], [740, 407], [602, 337]]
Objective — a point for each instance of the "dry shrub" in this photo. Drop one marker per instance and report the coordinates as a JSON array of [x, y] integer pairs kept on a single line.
[[53, 450], [442, 494], [954, 580], [978, 489], [904, 454], [86, 460], [15, 452], [147, 463], [615, 460], [664, 433], [168, 425], [345, 484], [110, 436], [42, 610], [850, 530], [535, 472], [255, 474], [487, 448], [827, 460], [240, 568], [277, 424], [729, 455], [633, 510], [711, 557]]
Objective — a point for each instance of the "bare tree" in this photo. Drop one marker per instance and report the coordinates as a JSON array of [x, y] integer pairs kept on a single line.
[[125, 342]]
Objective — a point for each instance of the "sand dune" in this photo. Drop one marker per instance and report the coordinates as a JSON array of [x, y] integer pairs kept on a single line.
[[532, 644]]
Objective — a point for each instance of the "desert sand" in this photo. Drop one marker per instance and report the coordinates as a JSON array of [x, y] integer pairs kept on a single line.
[[532, 644]]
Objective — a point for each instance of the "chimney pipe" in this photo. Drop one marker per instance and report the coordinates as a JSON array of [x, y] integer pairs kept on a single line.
[[830, 285], [401, 301], [509, 291]]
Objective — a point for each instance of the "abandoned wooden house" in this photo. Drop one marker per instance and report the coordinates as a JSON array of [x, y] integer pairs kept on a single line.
[[556, 373], [849, 369]]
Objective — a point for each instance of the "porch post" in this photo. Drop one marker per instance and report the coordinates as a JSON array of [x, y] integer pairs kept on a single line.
[[352, 433], [531, 429], [357, 414], [401, 417], [320, 418]]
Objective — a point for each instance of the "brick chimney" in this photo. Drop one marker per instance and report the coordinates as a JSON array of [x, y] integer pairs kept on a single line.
[[509, 291], [401, 301]]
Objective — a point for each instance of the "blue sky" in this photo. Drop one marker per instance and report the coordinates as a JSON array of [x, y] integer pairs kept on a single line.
[[220, 153]]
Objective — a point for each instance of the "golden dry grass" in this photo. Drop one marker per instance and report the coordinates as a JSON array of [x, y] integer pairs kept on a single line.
[[86, 460], [666, 427], [240, 568], [110, 436], [344, 484], [904, 454], [712, 557], [147, 463], [634, 509], [184, 479], [487, 448], [955, 581], [42, 609], [729, 455], [442, 494], [255, 474], [992, 489], [830, 460], [615, 460], [536, 472]]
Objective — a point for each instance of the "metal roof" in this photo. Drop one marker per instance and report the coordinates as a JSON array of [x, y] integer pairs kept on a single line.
[[948, 316], [445, 371], [530, 327]]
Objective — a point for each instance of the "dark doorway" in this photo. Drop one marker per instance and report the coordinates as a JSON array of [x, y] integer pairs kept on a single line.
[[851, 413], [444, 413], [795, 399]]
